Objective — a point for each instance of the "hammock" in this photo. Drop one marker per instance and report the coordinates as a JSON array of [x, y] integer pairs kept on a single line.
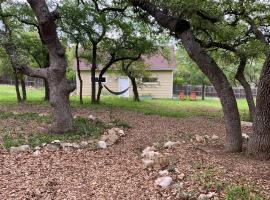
[[116, 93]]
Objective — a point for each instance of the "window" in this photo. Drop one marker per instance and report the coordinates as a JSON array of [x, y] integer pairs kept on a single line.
[[149, 79], [103, 80]]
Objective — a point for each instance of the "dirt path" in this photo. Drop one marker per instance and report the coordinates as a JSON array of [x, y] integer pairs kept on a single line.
[[117, 172]]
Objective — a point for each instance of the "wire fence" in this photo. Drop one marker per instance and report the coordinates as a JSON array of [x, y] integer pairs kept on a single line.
[[209, 90], [29, 82]]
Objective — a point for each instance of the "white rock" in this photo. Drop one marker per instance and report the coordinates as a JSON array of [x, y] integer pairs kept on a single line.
[[163, 181], [199, 138], [70, 145], [121, 133], [43, 144], [246, 124], [203, 197], [111, 131], [112, 138], [102, 145], [150, 155], [22, 148], [37, 148], [169, 144], [92, 117], [181, 176], [15, 113], [245, 136], [147, 163], [147, 149], [215, 137], [163, 172], [211, 195], [56, 142], [37, 153], [83, 144]]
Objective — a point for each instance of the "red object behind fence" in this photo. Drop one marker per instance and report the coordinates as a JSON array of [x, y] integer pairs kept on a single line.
[[193, 96]]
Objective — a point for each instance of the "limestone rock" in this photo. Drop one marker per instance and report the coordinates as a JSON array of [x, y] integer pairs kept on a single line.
[[102, 145], [23, 148], [36, 153], [163, 172], [83, 144], [215, 137], [164, 182], [147, 163], [246, 124], [170, 144]]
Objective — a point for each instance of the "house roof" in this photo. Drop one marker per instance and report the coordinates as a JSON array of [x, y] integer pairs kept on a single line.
[[157, 62]]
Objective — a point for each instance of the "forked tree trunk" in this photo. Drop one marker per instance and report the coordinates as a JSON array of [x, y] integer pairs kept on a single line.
[[56, 73], [203, 91], [208, 66], [79, 72], [17, 88], [259, 143], [23, 88]]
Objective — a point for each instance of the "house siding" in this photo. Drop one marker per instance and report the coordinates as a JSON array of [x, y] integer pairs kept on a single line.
[[162, 89]]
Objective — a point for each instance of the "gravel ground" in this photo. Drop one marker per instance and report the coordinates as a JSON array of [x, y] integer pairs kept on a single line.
[[117, 172]]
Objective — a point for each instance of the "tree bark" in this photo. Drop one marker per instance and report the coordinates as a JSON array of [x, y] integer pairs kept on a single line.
[[56, 73], [18, 94], [47, 90], [259, 143], [203, 91], [79, 72], [208, 66], [23, 89], [93, 74], [136, 96], [242, 80]]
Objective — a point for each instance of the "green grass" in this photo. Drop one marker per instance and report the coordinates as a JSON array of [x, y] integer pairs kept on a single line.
[[84, 129], [164, 107]]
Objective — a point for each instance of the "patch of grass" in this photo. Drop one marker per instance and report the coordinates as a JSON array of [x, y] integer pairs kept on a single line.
[[84, 129], [210, 107], [9, 141], [24, 116], [240, 193]]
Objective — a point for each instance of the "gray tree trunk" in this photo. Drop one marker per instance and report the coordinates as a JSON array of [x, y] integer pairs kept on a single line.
[[259, 143], [56, 73], [208, 66]]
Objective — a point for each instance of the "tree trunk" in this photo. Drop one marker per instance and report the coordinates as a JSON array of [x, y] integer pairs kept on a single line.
[[56, 73], [93, 74], [100, 87], [209, 67], [259, 143], [47, 90], [136, 96], [18, 94], [79, 72], [23, 89], [203, 91], [249, 97], [225, 92], [242, 80]]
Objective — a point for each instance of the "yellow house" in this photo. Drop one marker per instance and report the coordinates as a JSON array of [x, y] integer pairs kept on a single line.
[[158, 85]]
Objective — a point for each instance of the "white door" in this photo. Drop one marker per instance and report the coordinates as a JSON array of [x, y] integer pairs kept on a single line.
[[123, 85]]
